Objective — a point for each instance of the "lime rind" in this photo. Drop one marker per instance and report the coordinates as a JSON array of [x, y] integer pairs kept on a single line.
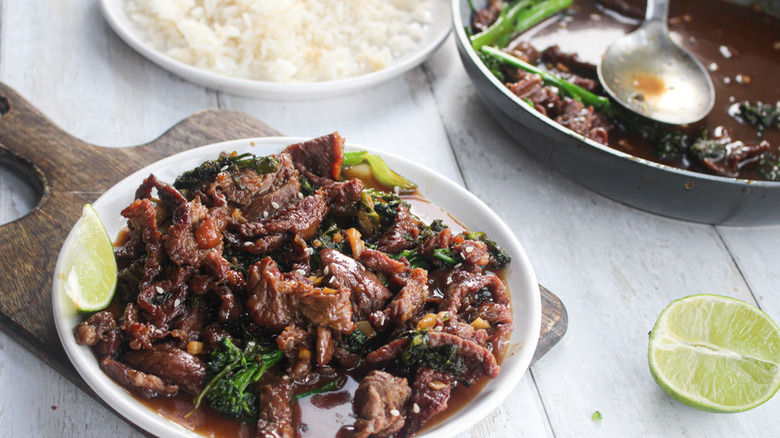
[[92, 277], [715, 353]]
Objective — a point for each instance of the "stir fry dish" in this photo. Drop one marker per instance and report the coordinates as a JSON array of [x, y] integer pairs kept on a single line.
[[253, 283], [519, 41]]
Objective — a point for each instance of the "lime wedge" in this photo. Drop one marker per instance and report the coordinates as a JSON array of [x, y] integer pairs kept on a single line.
[[715, 353], [91, 280]]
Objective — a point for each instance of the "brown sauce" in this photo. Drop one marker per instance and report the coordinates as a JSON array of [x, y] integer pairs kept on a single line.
[[739, 46]]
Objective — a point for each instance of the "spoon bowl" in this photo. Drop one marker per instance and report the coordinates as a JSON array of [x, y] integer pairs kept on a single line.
[[648, 73]]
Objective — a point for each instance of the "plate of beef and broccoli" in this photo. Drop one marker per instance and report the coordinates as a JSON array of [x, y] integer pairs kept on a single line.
[[291, 287], [534, 65]]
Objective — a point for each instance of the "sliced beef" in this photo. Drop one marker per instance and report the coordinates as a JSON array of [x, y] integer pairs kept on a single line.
[[367, 293], [343, 196], [142, 219], [322, 156], [170, 364], [477, 358], [162, 301], [410, 300], [430, 394], [302, 220], [379, 404], [195, 232], [378, 261], [402, 234], [145, 384], [100, 331], [277, 300], [276, 416], [463, 285]]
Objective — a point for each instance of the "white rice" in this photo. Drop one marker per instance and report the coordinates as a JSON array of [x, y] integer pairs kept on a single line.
[[283, 40]]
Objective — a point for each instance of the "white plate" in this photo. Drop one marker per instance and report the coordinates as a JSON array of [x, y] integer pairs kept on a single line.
[[435, 33], [526, 303]]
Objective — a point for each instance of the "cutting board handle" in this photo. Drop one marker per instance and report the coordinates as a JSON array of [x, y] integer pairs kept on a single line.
[[67, 172]]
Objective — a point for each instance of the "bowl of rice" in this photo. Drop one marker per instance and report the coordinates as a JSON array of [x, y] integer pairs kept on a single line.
[[284, 49]]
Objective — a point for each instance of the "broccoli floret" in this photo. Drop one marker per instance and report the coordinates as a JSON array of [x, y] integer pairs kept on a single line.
[[418, 352], [354, 342], [761, 115], [230, 370]]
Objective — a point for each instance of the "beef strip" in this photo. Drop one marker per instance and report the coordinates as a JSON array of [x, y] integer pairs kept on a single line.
[[430, 394], [142, 219], [100, 331], [367, 293], [402, 234], [277, 300], [276, 416], [410, 299], [321, 156], [379, 405], [147, 385], [170, 364]]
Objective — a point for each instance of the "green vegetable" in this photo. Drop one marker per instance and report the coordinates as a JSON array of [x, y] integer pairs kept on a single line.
[[446, 255], [761, 115], [596, 416], [354, 342], [231, 370], [333, 385], [382, 172], [599, 103], [499, 257], [378, 210], [418, 352], [515, 18], [192, 179], [668, 143]]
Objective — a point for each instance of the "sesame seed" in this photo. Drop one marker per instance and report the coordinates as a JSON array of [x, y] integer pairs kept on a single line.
[[275, 205], [449, 280], [416, 408], [394, 412], [159, 289], [176, 302], [247, 243], [300, 271], [469, 248], [300, 195], [265, 214], [224, 168], [326, 271]]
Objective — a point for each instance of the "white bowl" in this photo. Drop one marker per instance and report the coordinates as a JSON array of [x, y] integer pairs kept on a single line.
[[434, 35], [520, 277]]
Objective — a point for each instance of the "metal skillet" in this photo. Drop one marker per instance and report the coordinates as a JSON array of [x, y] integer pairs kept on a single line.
[[634, 181]]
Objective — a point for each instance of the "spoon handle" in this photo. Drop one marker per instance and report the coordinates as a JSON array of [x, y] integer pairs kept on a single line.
[[657, 10]]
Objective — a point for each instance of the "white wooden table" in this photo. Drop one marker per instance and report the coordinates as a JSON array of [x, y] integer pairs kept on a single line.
[[615, 268]]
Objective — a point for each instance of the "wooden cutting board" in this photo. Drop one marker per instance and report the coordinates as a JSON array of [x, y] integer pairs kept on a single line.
[[68, 173]]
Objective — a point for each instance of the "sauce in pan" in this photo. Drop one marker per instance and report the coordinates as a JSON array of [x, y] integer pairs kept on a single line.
[[740, 47]]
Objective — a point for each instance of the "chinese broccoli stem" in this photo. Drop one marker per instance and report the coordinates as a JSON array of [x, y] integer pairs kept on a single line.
[[515, 18]]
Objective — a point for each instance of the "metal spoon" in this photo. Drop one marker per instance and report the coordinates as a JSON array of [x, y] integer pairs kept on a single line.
[[648, 73]]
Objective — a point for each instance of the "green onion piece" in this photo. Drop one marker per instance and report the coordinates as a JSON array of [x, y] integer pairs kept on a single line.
[[382, 172]]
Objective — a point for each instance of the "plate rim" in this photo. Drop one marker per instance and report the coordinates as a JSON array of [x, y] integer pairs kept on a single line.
[[489, 398], [440, 28]]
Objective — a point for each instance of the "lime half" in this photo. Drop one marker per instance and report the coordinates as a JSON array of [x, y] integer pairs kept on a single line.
[[91, 281], [715, 353]]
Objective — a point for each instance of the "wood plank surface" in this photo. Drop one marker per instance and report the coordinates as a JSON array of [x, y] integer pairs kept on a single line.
[[59, 166]]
